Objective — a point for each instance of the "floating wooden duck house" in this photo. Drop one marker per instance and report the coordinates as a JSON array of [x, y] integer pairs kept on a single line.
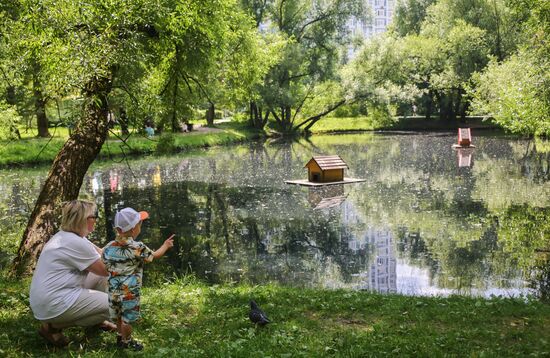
[[325, 170], [464, 138]]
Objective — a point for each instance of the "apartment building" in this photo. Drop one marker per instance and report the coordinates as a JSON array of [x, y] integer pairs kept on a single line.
[[382, 14]]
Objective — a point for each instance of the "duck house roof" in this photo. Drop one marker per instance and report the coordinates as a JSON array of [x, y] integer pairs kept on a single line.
[[327, 162]]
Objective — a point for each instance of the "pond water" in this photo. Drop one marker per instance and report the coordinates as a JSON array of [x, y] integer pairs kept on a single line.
[[427, 220]]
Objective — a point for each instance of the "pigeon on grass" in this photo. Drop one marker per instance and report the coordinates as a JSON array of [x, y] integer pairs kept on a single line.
[[256, 315]]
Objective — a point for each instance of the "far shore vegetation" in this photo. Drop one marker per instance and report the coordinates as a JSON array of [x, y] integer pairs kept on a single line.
[[32, 150]]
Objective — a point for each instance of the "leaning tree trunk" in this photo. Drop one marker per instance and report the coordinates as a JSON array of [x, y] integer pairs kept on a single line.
[[312, 120], [39, 102], [66, 174]]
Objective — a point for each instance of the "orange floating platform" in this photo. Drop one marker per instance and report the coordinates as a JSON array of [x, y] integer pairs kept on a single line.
[[464, 139], [458, 146]]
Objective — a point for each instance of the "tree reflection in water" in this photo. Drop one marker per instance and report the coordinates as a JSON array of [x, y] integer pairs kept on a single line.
[[456, 228]]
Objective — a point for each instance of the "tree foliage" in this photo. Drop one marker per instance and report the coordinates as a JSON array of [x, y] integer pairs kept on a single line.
[[439, 48], [314, 32], [409, 15], [87, 49], [516, 92]]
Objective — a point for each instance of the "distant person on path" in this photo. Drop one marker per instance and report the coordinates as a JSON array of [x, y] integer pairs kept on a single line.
[[69, 284], [149, 131], [124, 258], [414, 108]]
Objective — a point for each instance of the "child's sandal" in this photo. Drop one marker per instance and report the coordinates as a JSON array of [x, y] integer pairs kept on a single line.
[[133, 344]]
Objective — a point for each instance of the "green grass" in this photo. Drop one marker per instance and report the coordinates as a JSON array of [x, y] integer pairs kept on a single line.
[[56, 132], [31, 150], [189, 319], [332, 124]]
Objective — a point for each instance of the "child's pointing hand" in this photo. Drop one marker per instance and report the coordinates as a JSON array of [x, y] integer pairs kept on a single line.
[[170, 241]]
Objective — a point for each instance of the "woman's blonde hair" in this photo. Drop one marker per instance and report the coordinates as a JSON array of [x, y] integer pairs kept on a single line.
[[74, 215]]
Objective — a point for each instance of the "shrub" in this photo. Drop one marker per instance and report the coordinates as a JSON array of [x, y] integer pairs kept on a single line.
[[351, 110], [515, 92], [241, 117], [166, 144], [9, 119], [382, 116]]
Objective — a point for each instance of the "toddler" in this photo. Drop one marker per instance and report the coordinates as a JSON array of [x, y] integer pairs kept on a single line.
[[124, 259]]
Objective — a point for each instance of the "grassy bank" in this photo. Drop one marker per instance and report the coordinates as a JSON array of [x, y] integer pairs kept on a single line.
[[343, 124], [31, 150], [190, 319]]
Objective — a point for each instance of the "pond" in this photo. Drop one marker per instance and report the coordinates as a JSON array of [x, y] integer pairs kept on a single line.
[[427, 220]]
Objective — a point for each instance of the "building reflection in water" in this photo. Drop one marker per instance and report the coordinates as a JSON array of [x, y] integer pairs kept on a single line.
[[156, 180], [381, 274]]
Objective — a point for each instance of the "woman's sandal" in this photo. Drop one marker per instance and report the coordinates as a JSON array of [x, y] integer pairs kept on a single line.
[[47, 332]]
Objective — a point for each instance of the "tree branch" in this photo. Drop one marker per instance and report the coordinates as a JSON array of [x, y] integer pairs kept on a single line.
[[312, 120], [281, 23], [201, 88], [298, 76], [301, 103], [276, 117], [317, 19]]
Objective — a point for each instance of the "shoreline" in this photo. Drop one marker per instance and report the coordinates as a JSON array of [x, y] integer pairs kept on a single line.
[[32, 152]]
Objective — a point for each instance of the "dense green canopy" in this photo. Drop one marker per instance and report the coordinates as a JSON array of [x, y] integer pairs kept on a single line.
[[284, 61], [461, 57]]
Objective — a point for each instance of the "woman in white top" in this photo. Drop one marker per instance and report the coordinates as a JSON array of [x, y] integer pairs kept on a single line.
[[70, 280]]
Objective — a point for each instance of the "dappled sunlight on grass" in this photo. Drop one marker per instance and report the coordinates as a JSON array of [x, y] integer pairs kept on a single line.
[[189, 318]]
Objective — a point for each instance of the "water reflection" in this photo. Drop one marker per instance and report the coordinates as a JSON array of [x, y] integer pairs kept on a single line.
[[326, 197], [464, 157], [419, 225], [381, 274]]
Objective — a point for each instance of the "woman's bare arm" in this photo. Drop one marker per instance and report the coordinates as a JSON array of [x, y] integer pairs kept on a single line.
[[98, 268]]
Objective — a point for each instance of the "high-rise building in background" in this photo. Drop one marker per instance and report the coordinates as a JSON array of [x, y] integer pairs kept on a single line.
[[382, 11]]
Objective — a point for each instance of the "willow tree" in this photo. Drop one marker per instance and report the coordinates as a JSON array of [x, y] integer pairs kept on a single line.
[[409, 15], [21, 68], [316, 32], [214, 75], [435, 49], [89, 48]]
